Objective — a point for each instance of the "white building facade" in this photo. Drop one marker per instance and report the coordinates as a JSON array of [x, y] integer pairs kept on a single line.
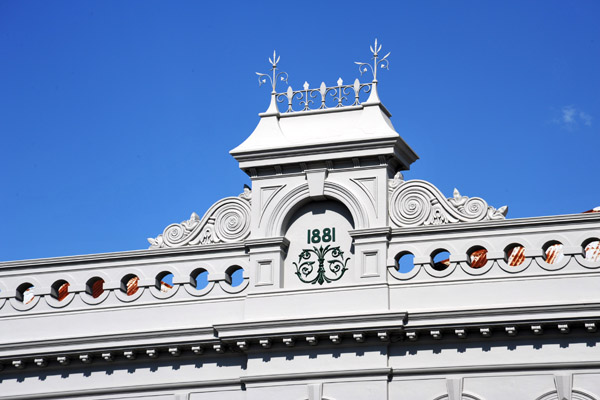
[[331, 278]]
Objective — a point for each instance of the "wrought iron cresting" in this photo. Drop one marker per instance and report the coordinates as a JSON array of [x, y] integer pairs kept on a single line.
[[324, 97], [339, 94]]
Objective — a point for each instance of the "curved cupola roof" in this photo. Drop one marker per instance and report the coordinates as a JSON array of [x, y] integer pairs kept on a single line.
[[326, 122]]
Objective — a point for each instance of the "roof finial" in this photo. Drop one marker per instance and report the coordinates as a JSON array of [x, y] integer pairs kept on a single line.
[[273, 78], [382, 63]]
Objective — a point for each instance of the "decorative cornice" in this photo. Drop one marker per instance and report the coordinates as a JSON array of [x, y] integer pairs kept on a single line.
[[383, 372], [381, 233], [305, 326], [533, 222], [557, 319], [331, 337], [278, 241], [162, 386], [122, 256], [304, 333], [334, 148], [116, 341], [507, 367], [501, 315]]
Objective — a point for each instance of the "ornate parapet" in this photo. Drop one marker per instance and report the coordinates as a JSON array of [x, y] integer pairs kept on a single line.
[[227, 221], [417, 203]]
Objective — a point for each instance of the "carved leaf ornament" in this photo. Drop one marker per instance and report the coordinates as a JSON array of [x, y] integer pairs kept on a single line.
[[417, 202], [227, 221]]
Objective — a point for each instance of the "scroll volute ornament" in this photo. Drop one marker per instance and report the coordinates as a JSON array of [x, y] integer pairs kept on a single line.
[[227, 221], [417, 203]]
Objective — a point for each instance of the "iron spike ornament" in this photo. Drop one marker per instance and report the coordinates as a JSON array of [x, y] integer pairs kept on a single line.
[[275, 76], [336, 268], [383, 63]]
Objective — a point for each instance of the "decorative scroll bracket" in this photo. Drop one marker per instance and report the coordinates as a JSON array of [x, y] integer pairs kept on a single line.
[[417, 203], [227, 221]]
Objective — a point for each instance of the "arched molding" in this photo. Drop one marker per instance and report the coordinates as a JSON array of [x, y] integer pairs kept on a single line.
[[466, 265], [394, 252], [227, 288], [299, 196], [406, 275], [208, 266], [284, 208], [465, 396], [514, 269], [88, 299], [3, 294], [54, 303], [38, 293], [199, 293], [346, 197], [143, 283], [576, 395], [107, 288], [549, 238], [586, 263], [428, 267], [4, 291], [159, 294], [322, 398], [128, 299]]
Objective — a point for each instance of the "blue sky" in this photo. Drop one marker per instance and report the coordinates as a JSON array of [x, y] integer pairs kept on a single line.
[[116, 118]]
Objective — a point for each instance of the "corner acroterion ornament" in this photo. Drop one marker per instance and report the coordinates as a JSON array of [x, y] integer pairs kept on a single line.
[[382, 63], [273, 78]]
